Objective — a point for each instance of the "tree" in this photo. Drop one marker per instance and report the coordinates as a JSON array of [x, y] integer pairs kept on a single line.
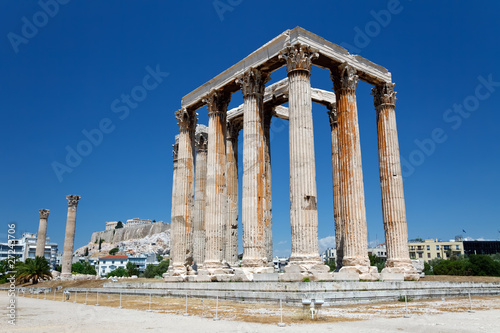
[[159, 257], [119, 225], [100, 242], [120, 271], [33, 269], [132, 269], [153, 271], [484, 265], [83, 268], [377, 261], [86, 252], [331, 263], [113, 251], [6, 266]]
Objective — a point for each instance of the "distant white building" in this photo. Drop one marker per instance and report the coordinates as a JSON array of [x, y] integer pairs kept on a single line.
[[329, 254], [25, 247], [111, 225], [379, 251], [136, 221], [104, 265]]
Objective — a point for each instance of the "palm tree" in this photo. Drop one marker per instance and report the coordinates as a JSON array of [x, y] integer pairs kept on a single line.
[[33, 269]]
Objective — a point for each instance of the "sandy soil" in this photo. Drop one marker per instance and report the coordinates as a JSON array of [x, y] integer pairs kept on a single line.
[[450, 315]]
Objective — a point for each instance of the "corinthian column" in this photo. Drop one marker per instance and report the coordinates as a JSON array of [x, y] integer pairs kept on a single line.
[[353, 213], [216, 205], [254, 175], [69, 238], [303, 209], [233, 130], [42, 233], [199, 195], [339, 234], [175, 153], [182, 223], [268, 201], [391, 183]]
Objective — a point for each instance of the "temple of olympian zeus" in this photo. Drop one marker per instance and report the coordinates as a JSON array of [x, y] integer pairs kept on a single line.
[[204, 217]]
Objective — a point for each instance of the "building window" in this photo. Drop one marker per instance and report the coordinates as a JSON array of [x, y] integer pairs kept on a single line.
[[458, 247], [446, 247], [437, 247], [420, 255], [428, 255], [439, 255], [428, 247]]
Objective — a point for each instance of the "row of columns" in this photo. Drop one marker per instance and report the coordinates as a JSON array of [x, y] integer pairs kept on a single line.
[[220, 220]]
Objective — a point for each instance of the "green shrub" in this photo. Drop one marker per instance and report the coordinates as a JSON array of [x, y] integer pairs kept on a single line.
[[119, 272]]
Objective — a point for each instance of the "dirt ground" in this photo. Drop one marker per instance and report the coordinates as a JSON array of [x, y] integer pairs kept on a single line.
[[452, 278]]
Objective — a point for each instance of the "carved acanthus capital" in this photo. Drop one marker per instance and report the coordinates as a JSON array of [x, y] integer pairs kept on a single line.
[[233, 129], [201, 142], [217, 102], [344, 79], [73, 200], [384, 94], [298, 57], [44, 213], [253, 82], [186, 120], [332, 114]]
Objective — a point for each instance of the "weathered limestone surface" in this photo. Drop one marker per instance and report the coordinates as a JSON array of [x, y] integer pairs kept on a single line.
[[303, 209], [268, 200], [254, 174], [231, 252], [199, 195], [391, 184], [182, 223], [337, 199], [135, 232], [216, 192], [42, 233], [69, 238], [353, 213], [175, 153]]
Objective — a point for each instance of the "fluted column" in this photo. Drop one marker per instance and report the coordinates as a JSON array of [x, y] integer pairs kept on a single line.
[[303, 199], [175, 152], [199, 195], [233, 129], [353, 212], [42, 233], [254, 180], [339, 234], [391, 184], [69, 238], [182, 224], [268, 202], [216, 192]]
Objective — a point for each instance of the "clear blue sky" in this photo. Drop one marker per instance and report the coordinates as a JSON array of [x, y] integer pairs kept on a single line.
[[68, 75]]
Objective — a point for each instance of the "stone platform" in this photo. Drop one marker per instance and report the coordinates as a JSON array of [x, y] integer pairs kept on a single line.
[[293, 293]]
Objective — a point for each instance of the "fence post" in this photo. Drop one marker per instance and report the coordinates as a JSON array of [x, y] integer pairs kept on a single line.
[[281, 323], [149, 303], [120, 307], [97, 304], [217, 309]]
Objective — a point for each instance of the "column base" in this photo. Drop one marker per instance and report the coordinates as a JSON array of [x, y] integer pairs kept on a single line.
[[254, 263], [215, 268], [66, 276], [177, 269], [402, 266], [369, 273]]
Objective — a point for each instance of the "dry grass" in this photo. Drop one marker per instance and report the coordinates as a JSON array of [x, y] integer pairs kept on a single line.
[[453, 278]]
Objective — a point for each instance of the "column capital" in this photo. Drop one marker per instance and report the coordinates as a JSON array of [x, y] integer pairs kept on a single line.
[[201, 143], [298, 57], [186, 120], [253, 82], [44, 213], [344, 78], [233, 129], [73, 200], [332, 114], [384, 94], [217, 101]]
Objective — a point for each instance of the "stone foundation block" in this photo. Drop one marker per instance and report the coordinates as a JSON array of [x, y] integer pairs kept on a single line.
[[345, 276], [391, 276], [266, 277]]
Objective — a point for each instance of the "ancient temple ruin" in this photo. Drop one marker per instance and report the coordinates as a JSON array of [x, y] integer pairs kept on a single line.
[[205, 200]]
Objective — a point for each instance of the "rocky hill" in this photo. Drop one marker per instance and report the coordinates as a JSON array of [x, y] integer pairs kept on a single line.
[[133, 240]]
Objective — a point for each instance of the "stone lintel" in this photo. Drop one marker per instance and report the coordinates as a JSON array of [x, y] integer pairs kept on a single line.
[[277, 94], [266, 58]]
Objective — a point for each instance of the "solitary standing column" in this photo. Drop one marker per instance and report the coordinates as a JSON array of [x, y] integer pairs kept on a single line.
[[254, 175], [303, 209], [42, 233], [182, 223], [69, 238], [339, 234], [216, 193], [199, 195], [353, 213], [233, 130], [268, 202], [391, 183]]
